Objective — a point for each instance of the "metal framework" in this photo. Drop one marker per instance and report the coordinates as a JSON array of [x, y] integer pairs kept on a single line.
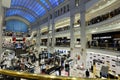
[[18, 18], [25, 10], [21, 13], [31, 10]]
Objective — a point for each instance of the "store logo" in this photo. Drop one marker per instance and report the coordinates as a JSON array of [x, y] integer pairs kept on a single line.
[[104, 37]]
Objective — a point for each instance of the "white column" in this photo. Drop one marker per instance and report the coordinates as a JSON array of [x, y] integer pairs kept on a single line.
[[72, 36], [39, 40], [83, 32], [40, 36], [72, 19], [53, 34], [48, 36], [1, 22]]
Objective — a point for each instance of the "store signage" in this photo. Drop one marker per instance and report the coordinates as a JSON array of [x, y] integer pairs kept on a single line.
[[62, 51], [104, 37]]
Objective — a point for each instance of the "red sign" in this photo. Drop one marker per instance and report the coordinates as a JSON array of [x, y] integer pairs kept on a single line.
[[24, 39], [14, 39]]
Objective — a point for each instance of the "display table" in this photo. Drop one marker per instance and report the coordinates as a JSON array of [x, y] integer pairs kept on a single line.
[[52, 70]]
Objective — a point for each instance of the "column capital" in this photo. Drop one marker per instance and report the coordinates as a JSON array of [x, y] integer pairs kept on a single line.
[[83, 1], [72, 13], [82, 8], [53, 23], [72, 4], [5, 3], [40, 28]]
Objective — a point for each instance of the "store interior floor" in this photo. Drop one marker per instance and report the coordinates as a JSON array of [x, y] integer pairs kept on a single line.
[[102, 57], [63, 65]]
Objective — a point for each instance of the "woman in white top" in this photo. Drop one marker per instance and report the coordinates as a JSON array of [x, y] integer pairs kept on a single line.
[[37, 68], [57, 73]]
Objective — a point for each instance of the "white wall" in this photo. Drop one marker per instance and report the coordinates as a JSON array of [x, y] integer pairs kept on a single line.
[[105, 58]]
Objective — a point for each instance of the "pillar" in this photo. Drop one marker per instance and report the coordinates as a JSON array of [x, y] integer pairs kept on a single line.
[[1, 22], [83, 32], [48, 36], [37, 43], [72, 37], [38, 39], [53, 34]]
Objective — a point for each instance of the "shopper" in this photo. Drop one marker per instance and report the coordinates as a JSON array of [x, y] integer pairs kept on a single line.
[[57, 73], [87, 73]]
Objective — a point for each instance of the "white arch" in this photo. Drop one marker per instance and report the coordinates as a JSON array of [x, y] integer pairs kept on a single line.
[[17, 18]]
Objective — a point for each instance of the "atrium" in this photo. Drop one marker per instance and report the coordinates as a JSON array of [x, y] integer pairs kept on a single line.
[[59, 39]]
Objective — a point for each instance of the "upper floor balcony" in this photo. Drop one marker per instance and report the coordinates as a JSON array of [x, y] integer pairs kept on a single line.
[[110, 24]]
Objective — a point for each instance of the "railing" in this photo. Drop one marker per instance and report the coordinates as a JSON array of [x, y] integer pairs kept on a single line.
[[109, 46], [43, 44], [34, 76], [25, 75]]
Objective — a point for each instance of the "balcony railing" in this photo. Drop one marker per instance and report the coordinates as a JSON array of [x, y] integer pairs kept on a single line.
[[18, 75]]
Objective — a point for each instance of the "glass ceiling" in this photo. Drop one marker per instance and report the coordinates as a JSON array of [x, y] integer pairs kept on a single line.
[[20, 13], [31, 10], [46, 4]]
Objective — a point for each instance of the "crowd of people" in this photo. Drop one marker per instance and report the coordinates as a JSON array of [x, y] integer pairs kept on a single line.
[[50, 62], [39, 63], [104, 17], [104, 44], [20, 63], [33, 62]]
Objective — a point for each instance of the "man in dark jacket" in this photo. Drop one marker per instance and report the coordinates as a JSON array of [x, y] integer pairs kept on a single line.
[[87, 73]]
